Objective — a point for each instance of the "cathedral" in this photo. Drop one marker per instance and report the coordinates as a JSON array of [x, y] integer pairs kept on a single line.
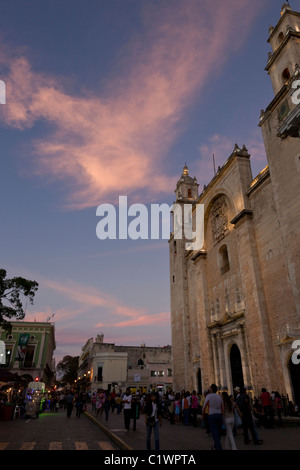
[[235, 303]]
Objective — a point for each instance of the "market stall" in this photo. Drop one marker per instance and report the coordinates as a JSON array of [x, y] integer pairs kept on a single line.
[[34, 397]]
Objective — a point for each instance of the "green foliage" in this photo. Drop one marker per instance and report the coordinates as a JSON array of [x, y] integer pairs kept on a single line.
[[68, 366], [11, 305]]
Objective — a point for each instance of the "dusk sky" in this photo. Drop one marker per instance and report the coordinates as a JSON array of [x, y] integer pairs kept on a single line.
[[109, 98]]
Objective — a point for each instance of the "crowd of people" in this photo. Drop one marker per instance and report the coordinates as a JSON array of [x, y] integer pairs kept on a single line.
[[222, 414], [217, 412]]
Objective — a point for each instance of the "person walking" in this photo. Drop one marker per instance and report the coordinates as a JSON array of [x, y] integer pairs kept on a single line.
[[119, 403], [70, 404], [204, 423], [127, 408], [135, 409], [194, 408], [177, 408], [106, 405], [171, 408], [113, 396], [278, 408], [243, 402], [259, 414], [267, 407], [215, 406], [99, 405], [79, 405], [153, 419], [94, 401], [185, 409], [229, 419]]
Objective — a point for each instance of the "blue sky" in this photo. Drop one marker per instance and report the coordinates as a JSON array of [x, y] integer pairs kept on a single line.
[[108, 98]]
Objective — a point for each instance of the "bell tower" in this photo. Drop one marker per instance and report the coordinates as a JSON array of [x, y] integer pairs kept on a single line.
[[187, 187], [280, 121], [280, 125], [186, 192], [284, 41]]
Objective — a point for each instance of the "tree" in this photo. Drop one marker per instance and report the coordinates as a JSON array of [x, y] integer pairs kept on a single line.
[[68, 367], [11, 305]]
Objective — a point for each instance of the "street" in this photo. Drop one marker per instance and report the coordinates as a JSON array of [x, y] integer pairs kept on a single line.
[[53, 431]]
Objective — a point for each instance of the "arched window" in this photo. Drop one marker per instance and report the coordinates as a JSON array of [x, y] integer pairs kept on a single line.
[[224, 259], [189, 193], [280, 37], [286, 75]]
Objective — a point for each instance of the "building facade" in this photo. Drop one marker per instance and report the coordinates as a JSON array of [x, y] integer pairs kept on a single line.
[[29, 350], [235, 303], [106, 366]]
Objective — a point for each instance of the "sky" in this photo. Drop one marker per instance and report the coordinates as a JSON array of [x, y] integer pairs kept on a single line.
[[110, 98]]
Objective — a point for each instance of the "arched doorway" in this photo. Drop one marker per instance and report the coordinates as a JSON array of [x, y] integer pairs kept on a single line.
[[236, 367], [295, 380]]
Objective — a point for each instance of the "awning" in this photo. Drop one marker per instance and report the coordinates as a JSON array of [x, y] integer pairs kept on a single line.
[[38, 386]]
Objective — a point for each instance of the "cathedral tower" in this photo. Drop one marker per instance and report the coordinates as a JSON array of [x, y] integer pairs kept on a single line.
[[280, 125], [186, 193]]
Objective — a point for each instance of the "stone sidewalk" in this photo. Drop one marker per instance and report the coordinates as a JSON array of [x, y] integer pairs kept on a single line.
[[187, 438]]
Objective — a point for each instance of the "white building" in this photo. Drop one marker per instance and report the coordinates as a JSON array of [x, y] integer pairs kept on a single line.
[[106, 366]]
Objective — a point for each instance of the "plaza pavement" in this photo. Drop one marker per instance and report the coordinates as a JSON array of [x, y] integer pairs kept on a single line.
[[187, 438]]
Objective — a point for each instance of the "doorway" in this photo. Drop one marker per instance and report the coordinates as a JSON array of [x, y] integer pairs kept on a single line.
[[295, 380], [236, 367]]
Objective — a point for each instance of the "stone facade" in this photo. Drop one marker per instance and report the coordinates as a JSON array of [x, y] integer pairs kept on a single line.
[[235, 304]]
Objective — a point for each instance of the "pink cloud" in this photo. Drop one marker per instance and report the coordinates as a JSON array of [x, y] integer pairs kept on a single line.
[[142, 320], [88, 300], [90, 297], [119, 140]]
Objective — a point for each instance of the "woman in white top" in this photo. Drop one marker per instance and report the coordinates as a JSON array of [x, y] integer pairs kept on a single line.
[[228, 419]]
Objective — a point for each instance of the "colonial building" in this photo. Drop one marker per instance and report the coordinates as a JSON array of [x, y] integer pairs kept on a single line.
[[235, 303], [106, 366], [29, 350]]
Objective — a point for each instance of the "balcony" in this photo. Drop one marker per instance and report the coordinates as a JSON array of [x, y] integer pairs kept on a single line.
[[291, 125]]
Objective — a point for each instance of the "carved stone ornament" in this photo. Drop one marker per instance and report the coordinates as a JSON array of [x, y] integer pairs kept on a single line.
[[219, 219]]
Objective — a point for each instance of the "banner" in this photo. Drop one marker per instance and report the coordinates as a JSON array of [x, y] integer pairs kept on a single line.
[[22, 346], [2, 353]]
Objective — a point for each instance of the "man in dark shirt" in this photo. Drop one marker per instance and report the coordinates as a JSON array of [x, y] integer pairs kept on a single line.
[[243, 402], [70, 403], [266, 402]]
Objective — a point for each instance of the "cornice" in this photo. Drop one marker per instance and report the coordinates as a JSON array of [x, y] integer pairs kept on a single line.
[[276, 28], [278, 51]]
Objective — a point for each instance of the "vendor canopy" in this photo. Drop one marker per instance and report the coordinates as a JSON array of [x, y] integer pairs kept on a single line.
[[38, 386]]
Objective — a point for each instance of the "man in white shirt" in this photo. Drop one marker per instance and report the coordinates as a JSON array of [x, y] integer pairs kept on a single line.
[[127, 408], [214, 403]]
